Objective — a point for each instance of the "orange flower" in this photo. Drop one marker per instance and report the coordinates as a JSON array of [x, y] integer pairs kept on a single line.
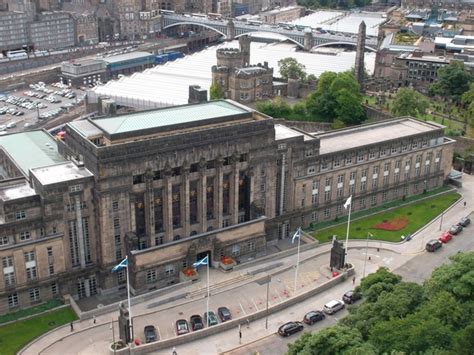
[[227, 260], [189, 271]]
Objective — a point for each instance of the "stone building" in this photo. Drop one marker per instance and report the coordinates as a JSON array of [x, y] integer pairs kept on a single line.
[[239, 80], [87, 30], [285, 14], [166, 187], [441, 4], [14, 31], [53, 30]]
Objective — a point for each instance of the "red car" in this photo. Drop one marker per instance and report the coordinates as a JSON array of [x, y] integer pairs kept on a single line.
[[446, 237]]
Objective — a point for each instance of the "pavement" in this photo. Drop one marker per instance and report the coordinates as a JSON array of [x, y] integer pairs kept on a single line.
[[239, 291]]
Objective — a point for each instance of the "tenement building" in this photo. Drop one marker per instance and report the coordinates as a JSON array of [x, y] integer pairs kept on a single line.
[[166, 187]]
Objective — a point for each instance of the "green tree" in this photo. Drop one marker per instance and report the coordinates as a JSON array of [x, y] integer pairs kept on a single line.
[[467, 100], [215, 92], [290, 68], [381, 277], [453, 81], [409, 102], [456, 278]]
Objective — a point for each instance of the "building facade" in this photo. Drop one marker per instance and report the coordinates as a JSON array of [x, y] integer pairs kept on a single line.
[[286, 14], [167, 187], [53, 30], [239, 80], [443, 4], [14, 31]]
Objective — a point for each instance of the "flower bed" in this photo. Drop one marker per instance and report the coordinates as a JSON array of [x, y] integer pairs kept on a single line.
[[227, 263], [395, 224], [188, 273]]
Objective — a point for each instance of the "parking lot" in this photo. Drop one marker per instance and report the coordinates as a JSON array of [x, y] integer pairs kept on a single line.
[[20, 110]]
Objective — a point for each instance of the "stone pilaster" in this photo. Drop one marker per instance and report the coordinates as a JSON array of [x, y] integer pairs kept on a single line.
[[218, 182], [168, 205], [202, 186], [234, 191], [185, 217], [149, 208]]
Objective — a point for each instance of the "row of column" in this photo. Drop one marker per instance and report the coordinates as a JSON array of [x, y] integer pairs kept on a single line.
[[218, 196]]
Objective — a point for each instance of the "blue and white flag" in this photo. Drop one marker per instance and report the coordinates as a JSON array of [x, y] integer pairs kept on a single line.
[[204, 261], [123, 264], [296, 235], [348, 202]]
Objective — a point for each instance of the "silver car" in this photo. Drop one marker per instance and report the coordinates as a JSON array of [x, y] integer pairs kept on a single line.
[[333, 306]]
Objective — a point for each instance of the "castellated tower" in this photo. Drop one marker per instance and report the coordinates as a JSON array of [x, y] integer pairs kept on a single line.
[[244, 45]]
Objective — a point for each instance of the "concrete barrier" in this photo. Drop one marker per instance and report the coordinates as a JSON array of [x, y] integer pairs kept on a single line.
[[233, 324]]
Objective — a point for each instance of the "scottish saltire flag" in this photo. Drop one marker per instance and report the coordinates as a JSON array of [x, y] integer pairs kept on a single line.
[[348, 202], [296, 235], [123, 264], [204, 261]]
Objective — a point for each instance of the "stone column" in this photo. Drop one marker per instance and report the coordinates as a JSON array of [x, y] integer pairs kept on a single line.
[[202, 202], [234, 191], [185, 218], [80, 231], [218, 182], [168, 205], [230, 30], [149, 208], [308, 41]]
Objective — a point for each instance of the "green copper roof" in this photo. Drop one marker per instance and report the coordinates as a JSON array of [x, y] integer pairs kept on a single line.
[[31, 149], [168, 116]]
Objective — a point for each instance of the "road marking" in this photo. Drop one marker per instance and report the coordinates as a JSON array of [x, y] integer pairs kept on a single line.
[[242, 308], [256, 308]]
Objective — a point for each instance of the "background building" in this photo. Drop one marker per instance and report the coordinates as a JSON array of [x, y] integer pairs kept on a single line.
[[53, 30], [14, 31]]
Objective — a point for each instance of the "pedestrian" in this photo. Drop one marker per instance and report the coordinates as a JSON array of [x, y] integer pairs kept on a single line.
[[248, 323], [94, 320], [72, 326], [354, 280], [174, 351], [464, 204]]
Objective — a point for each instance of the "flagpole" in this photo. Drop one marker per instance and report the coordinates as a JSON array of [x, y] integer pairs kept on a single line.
[[297, 258], [348, 226], [129, 304], [208, 293]]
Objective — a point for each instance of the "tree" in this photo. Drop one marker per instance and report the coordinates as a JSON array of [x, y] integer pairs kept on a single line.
[[467, 100], [290, 68], [409, 102], [215, 91], [337, 96], [453, 81]]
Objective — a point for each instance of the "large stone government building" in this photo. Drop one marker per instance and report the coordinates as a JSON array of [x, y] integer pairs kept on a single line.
[[167, 187]]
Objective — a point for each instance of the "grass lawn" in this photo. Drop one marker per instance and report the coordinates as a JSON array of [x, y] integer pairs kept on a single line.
[[16, 335], [417, 214]]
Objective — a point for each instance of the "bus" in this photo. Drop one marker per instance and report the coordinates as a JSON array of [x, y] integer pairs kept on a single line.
[[198, 15], [19, 54], [254, 22], [214, 16], [166, 12]]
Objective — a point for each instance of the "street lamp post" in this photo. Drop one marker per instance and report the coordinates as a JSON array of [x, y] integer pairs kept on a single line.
[[366, 249], [441, 221], [266, 312]]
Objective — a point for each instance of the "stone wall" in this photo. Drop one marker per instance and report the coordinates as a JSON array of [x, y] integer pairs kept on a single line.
[[305, 125], [375, 114], [463, 145], [23, 80]]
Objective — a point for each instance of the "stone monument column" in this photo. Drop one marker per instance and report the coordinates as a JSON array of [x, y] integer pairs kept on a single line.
[[359, 61]]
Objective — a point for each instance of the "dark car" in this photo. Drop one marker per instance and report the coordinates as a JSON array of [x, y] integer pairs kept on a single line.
[[465, 221], [351, 296], [182, 327], [224, 314], [196, 322], [433, 245], [290, 328], [455, 229], [150, 334], [210, 318], [313, 317]]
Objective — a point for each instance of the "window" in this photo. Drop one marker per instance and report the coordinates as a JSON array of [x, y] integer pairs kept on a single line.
[[34, 294], [360, 157], [75, 188], [169, 270], [364, 173], [384, 196], [327, 181], [20, 215], [150, 276], [353, 175], [374, 183], [118, 247], [159, 240], [351, 189], [327, 213], [324, 165], [308, 153], [371, 155], [54, 289], [349, 159], [315, 184], [13, 300], [337, 163], [375, 170], [340, 179], [251, 245], [363, 186], [386, 167], [385, 180], [314, 216], [235, 250], [373, 200], [31, 273], [29, 256], [339, 209], [394, 149], [9, 278], [25, 235], [7, 261], [311, 169], [327, 196], [340, 192], [314, 198], [4, 240], [362, 203], [383, 152]]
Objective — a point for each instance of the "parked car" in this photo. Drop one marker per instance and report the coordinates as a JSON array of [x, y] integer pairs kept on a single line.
[[445, 237], [224, 314], [196, 322], [313, 317], [290, 328], [150, 334], [182, 327], [433, 245], [455, 229], [11, 125], [351, 296], [465, 221], [210, 318], [333, 306]]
